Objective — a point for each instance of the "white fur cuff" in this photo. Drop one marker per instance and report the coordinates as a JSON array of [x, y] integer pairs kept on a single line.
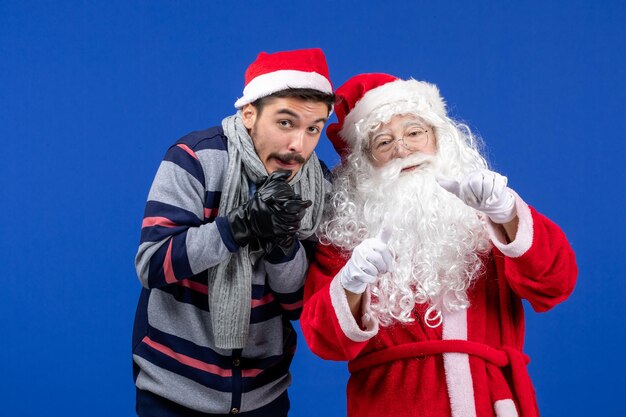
[[348, 324], [523, 239]]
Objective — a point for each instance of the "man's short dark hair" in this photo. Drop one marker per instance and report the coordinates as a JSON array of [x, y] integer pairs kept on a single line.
[[305, 94]]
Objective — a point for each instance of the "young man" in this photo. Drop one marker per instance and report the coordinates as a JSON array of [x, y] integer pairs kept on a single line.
[[427, 256], [221, 258]]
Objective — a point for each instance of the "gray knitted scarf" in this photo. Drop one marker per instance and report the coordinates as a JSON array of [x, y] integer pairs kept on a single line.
[[230, 282]]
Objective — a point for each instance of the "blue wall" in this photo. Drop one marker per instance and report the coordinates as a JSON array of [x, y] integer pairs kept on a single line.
[[92, 94]]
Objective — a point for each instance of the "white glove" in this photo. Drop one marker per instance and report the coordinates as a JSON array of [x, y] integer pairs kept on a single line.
[[486, 191], [369, 259]]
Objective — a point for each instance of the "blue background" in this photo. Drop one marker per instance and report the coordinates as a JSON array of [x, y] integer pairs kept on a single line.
[[93, 93]]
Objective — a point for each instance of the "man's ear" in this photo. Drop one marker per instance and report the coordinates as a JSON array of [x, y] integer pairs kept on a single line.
[[248, 115]]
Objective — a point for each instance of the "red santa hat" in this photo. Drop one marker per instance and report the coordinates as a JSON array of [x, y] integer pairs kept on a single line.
[[270, 73], [362, 94]]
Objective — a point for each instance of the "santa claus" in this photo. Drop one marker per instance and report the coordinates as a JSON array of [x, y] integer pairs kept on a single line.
[[425, 256]]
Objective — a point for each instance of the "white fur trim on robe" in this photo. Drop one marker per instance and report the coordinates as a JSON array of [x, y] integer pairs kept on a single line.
[[523, 239], [505, 408], [457, 367], [348, 324]]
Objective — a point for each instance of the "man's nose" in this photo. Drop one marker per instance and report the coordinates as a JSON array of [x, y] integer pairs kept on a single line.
[[296, 142]]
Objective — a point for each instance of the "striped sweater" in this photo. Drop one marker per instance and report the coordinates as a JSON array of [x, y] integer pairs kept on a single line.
[[183, 235]]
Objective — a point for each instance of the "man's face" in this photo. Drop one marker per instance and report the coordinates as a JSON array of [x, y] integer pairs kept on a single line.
[[286, 132], [402, 136]]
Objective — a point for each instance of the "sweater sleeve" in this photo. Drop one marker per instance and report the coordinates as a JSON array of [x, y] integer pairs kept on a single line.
[[178, 237], [328, 326], [285, 277], [539, 265]]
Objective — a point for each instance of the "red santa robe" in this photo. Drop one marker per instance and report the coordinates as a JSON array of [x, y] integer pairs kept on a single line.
[[472, 365]]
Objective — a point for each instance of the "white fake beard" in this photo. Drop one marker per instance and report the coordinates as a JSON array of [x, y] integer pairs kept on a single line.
[[436, 241]]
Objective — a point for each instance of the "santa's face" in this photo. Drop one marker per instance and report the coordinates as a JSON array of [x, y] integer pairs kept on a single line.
[[436, 239], [402, 136]]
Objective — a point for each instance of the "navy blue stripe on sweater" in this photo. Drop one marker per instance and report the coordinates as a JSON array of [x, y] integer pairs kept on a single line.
[[180, 260], [162, 220], [259, 291], [277, 370], [289, 298], [140, 327], [156, 275], [226, 234], [293, 315], [186, 295], [188, 348], [212, 138], [258, 314], [203, 377], [212, 204], [265, 312], [288, 301], [157, 233], [182, 155], [177, 259], [175, 214], [207, 367]]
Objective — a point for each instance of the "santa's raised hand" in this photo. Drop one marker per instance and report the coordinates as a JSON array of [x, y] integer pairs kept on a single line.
[[486, 191], [370, 259]]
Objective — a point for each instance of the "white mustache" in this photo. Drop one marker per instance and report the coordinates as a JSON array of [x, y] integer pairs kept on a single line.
[[393, 170]]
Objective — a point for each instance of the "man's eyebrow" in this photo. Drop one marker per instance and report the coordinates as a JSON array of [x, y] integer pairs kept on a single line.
[[288, 112], [296, 116], [320, 120]]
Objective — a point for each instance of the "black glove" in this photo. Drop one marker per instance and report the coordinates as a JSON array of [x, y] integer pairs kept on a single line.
[[263, 216], [292, 211], [275, 187], [288, 207]]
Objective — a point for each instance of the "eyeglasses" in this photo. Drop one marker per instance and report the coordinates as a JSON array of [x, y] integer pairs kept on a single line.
[[383, 146]]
